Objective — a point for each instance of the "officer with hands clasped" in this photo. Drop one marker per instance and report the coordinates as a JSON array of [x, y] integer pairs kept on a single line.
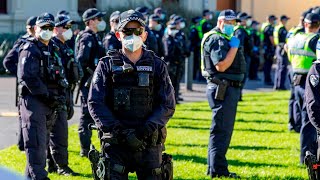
[[132, 98], [41, 82], [223, 66]]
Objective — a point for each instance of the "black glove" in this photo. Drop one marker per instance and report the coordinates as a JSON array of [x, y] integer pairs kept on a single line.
[[146, 130], [134, 143], [70, 111]]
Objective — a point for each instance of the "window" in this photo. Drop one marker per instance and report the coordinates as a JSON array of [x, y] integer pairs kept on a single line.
[[3, 6]]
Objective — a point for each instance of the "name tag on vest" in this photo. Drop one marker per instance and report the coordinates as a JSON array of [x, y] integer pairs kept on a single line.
[[144, 68]]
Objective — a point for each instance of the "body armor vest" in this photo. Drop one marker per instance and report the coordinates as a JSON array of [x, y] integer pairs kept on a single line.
[[132, 88], [208, 69]]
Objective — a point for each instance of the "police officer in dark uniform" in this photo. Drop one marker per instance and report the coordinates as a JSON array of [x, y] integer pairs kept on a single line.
[[88, 50], [151, 41], [10, 63], [162, 15], [58, 151], [206, 26], [279, 35], [268, 46], [312, 101], [224, 67], [110, 41], [131, 97], [11, 60], [255, 56], [302, 52], [42, 82], [158, 31], [195, 43], [246, 45], [71, 42]]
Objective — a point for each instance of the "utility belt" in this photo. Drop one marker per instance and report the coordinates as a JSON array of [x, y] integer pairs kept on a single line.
[[299, 79], [223, 85]]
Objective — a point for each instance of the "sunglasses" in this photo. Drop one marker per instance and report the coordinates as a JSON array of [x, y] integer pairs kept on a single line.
[[50, 28], [130, 31]]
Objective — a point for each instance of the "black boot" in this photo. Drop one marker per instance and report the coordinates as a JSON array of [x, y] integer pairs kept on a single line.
[[66, 171]]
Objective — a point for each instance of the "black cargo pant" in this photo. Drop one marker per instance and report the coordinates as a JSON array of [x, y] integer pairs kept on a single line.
[[35, 116]]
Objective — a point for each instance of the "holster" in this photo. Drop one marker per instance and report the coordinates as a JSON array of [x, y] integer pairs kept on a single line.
[[221, 89]]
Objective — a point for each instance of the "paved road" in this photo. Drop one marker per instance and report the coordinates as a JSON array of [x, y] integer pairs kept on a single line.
[[8, 112]]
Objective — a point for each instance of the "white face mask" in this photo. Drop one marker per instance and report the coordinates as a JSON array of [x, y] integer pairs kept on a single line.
[[157, 27], [249, 22], [210, 16], [132, 43], [101, 26], [162, 16], [67, 34], [182, 25], [44, 34]]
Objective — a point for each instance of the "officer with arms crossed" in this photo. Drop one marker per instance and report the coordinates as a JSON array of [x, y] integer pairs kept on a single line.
[[41, 78], [131, 97], [223, 66], [88, 51]]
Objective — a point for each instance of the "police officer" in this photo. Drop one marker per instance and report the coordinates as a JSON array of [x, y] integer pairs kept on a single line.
[[312, 98], [268, 46], [42, 80], [204, 23], [255, 56], [157, 29], [58, 151], [151, 41], [195, 43], [11, 60], [131, 96], [246, 46], [162, 15], [279, 35], [88, 50], [10, 63], [110, 41], [302, 53], [294, 110], [224, 67], [71, 42]]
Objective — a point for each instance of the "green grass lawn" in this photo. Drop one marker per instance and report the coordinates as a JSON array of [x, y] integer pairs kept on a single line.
[[261, 146]]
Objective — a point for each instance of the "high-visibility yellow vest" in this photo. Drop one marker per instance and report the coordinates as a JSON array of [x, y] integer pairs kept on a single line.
[[263, 27], [276, 33]]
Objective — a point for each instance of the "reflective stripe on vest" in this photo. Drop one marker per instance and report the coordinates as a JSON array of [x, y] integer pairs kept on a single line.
[[241, 27], [200, 30], [276, 33], [205, 37], [293, 31], [300, 54]]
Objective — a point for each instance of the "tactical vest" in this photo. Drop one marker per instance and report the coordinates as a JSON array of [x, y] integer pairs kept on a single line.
[[199, 28], [132, 88], [241, 27], [300, 54], [209, 70], [51, 68], [263, 27], [276, 33]]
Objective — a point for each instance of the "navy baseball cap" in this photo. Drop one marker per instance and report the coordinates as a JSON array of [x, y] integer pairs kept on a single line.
[[255, 22], [62, 20], [31, 21], [45, 19], [312, 18], [154, 17], [284, 17], [143, 10], [196, 19], [172, 25], [63, 12], [243, 16], [178, 19], [316, 11], [92, 13], [272, 17], [228, 15], [206, 12], [114, 16], [128, 16]]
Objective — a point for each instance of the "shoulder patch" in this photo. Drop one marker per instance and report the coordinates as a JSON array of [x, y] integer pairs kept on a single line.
[[314, 80], [89, 44]]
